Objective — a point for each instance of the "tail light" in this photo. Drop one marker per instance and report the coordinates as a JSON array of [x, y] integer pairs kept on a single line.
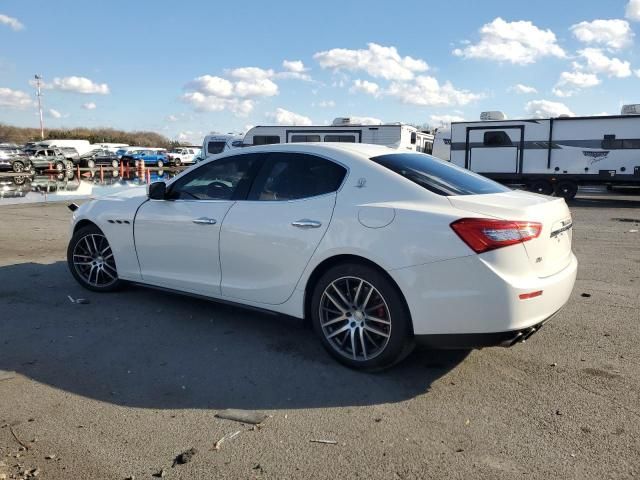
[[484, 234]]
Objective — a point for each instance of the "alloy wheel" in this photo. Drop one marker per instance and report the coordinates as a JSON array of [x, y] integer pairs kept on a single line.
[[355, 318], [93, 260]]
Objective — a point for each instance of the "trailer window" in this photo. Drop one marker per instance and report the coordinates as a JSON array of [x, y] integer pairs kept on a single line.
[[305, 138], [631, 143], [438, 176], [497, 138], [215, 147], [265, 139], [413, 138], [340, 138]]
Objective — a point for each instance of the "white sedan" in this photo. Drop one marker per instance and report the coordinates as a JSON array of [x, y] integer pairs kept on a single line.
[[377, 248]]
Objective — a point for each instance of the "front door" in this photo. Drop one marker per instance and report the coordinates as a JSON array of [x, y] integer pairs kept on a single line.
[[494, 150], [267, 240], [177, 239]]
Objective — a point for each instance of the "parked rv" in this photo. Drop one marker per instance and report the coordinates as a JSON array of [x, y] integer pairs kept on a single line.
[[553, 155], [394, 135]]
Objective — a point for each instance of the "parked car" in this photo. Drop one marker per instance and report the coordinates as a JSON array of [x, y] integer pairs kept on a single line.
[[43, 158], [148, 157], [16, 162], [377, 248], [70, 153], [183, 156], [99, 157]]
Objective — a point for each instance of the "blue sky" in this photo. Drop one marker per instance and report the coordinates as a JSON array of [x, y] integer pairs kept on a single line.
[[181, 68]]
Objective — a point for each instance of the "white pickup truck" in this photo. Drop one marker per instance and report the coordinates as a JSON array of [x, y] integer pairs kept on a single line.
[[183, 155]]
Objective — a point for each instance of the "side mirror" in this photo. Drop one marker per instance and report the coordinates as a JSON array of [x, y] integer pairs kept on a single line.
[[157, 191]]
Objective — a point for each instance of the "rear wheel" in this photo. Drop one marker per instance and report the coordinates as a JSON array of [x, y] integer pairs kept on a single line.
[[115, 164], [18, 167], [541, 186], [361, 317], [91, 164], [566, 189], [178, 163], [91, 262]]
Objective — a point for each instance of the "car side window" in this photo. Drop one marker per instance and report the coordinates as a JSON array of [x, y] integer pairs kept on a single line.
[[292, 176], [224, 179]]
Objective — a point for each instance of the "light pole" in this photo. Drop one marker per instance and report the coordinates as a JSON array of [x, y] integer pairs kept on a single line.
[[39, 94]]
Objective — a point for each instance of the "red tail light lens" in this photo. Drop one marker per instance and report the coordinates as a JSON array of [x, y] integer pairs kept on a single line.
[[484, 234]]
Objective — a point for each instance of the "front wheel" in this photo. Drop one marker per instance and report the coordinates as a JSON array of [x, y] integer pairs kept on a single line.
[[115, 164], [91, 164], [60, 167], [160, 164], [18, 167], [91, 262], [361, 317]]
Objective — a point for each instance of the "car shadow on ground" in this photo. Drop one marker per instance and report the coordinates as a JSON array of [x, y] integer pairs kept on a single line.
[[150, 349], [620, 201]]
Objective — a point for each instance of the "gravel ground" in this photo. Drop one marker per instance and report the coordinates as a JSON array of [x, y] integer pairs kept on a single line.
[[118, 387]]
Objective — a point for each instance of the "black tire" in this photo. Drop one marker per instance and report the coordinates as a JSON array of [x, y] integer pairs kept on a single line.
[[177, 162], [543, 187], [566, 189], [160, 164], [91, 164], [80, 244], [115, 164], [18, 167], [60, 166], [399, 341]]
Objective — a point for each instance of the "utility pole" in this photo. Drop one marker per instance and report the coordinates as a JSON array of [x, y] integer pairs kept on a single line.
[[39, 94]]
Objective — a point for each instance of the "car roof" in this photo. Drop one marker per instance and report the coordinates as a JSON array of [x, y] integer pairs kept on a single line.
[[362, 149]]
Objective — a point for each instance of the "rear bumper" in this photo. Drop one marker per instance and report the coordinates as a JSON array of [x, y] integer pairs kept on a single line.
[[464, 341], [468, 300]]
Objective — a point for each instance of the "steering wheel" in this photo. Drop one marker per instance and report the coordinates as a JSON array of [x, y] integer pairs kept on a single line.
[[218, 190]]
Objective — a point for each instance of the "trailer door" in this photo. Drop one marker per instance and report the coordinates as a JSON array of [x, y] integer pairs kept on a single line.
[[495, 149]]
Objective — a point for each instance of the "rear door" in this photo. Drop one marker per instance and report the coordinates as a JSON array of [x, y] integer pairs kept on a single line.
[[495, 150], [267, 240]]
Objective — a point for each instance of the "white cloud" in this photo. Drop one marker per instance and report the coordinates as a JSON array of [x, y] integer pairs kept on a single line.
[[251, 73], [522, 89], [598, 62], [637, 73], [285, 117], [13, 23], [546, 109], [54, 113], [572, 82], [519, 42], [210, 85], [324, 104], [377, 60], [89, 106], [445, 120], [366, 86], [426, 91], [632, 11], [210, 103], [614, 34], [187, 136], [172, 118], [76, 85], [15, 99], [293, 66], [260, 87]]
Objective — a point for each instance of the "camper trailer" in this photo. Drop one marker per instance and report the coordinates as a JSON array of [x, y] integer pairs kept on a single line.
[[217, 143], [395, 135], [553, 155]]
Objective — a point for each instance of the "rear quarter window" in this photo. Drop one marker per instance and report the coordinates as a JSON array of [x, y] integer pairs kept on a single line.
[[438, 176]]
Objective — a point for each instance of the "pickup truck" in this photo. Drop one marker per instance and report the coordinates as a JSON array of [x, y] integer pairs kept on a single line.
[[183, 155], [43, 158], [147, 157]]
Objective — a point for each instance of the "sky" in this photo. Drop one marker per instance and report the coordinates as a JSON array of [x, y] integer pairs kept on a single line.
[[190, 68]]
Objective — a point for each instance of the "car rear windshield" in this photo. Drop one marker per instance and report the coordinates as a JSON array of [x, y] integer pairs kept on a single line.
[[438, 176]]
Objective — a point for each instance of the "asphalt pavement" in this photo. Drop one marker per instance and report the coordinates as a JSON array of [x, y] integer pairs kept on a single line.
[[118, 387]]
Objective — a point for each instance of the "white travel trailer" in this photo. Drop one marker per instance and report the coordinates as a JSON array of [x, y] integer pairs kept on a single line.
[[216, 143], [395, 135], [81, 146], [553, 155]]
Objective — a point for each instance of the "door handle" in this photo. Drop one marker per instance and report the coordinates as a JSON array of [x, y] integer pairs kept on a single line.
[[306, 223], [205, 221]]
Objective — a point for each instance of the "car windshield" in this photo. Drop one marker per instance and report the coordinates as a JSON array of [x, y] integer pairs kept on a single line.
[[215, 147], [438, 176]]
